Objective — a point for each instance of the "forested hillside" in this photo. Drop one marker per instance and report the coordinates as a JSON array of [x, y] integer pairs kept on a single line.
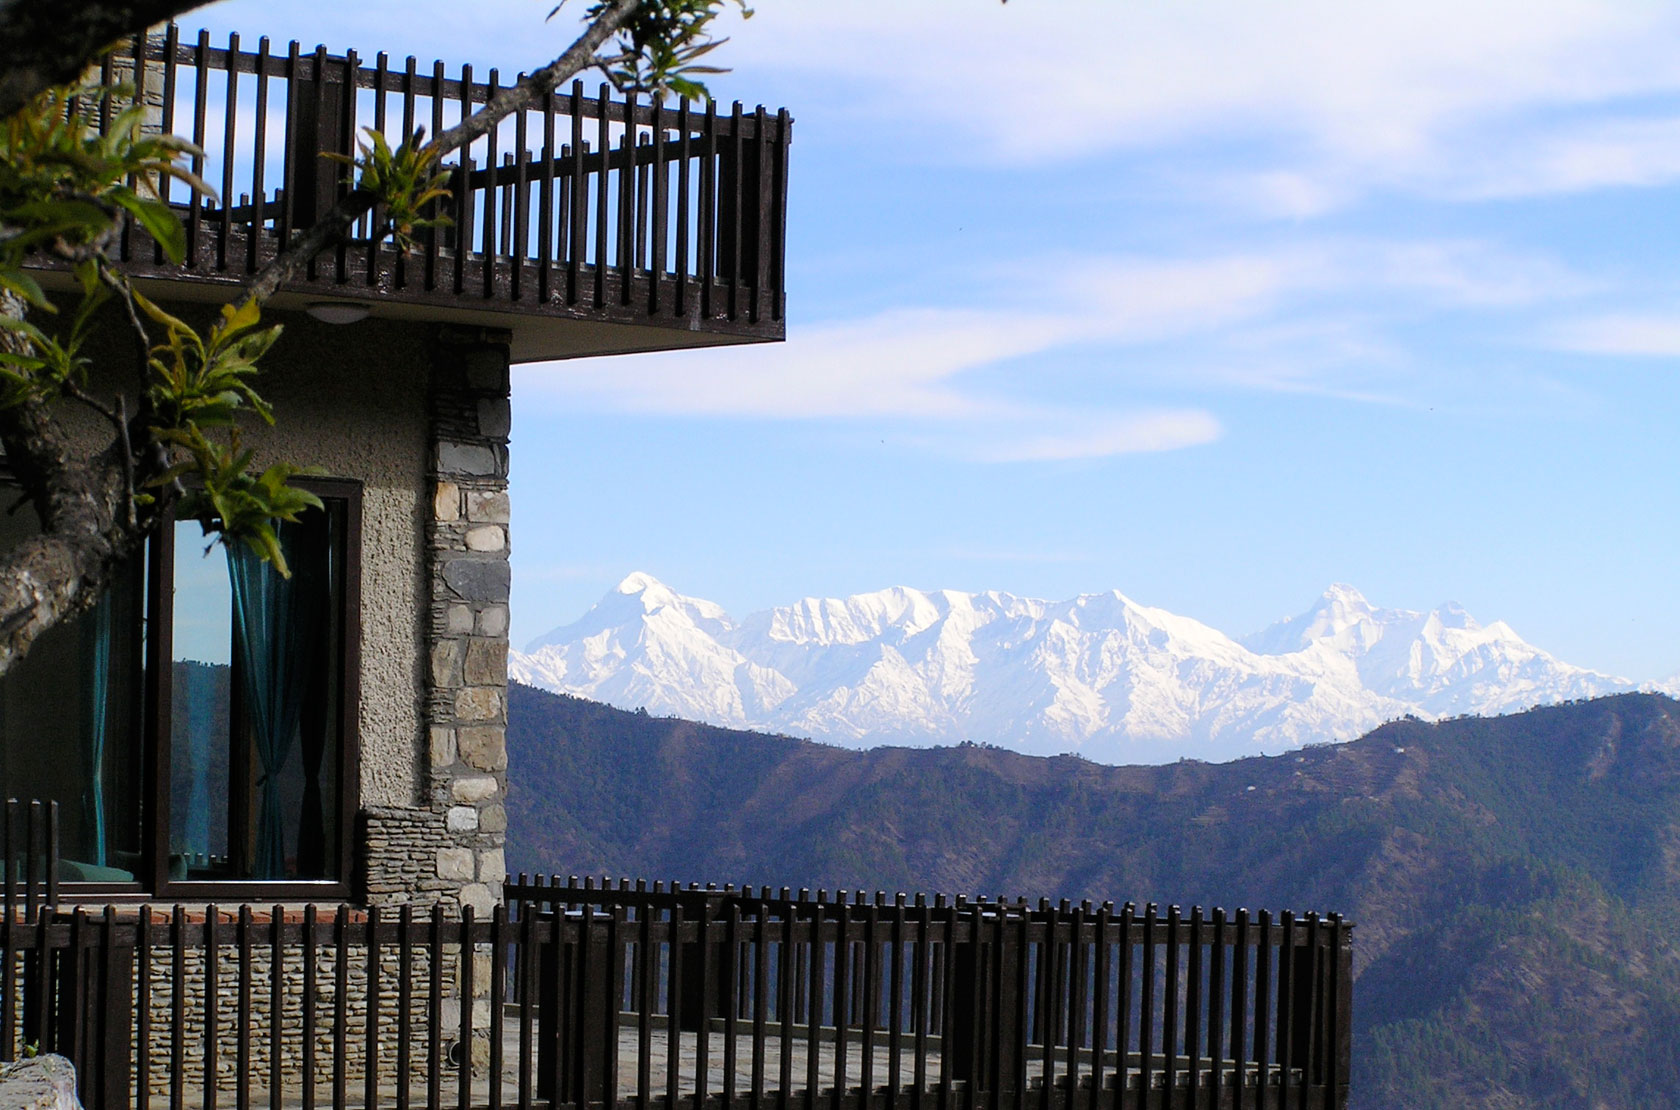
[[1514, 881]]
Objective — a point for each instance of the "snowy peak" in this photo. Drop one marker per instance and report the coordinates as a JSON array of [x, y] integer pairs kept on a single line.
[[1442, 662], [900, 612], [1341, 618], [639, 598], [1099, 674], [647, 591], [644, 644]]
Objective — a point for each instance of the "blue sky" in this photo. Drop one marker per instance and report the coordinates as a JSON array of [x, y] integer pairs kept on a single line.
[[1213, 303]]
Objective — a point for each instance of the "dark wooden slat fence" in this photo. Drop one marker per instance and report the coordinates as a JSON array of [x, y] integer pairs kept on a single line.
[[28, 859], [604, 227], [977, 1002], [630, 996]]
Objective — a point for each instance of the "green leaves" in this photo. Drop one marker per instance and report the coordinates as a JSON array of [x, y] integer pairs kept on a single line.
[[661, 45], [202, 382], [406, 181], [42, 365], [65, 188], [20, 284], [198, 391], [243, 506], [64, 185], [159, 220]]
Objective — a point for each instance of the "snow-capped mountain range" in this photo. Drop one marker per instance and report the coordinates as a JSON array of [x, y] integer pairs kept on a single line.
[[1099, 675]]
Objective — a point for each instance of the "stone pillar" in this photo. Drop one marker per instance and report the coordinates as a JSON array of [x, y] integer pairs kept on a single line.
[[467, 636]]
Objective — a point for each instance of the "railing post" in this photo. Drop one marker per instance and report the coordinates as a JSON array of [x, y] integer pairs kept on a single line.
[[109, 997], [79, 1004], [967, 994], [715, 963], [315, 125], [577, 1016], [1340, 995], [1307, 1014], [740, 200]]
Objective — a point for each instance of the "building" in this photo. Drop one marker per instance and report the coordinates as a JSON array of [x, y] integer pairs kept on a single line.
[[216, 733]]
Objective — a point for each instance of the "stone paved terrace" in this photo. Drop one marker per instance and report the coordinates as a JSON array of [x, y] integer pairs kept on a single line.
[[659, 1044]]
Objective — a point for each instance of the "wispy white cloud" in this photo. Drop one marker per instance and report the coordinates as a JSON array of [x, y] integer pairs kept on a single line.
[[899, 363], [1293, 319], [903, 366], [1069, 436], [1454, 98], [1460, 274], [910, 362], [1620, 333], [1612, 149], [1384, 87], [1302, 107], [1479, 160]]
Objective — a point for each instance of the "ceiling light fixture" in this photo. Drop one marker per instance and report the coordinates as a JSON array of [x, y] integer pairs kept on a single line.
[[338, 312]]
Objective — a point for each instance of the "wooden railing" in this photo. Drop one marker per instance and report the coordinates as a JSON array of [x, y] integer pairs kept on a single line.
[[28, 859], [580, 206], [979, 1002], [572, 995]]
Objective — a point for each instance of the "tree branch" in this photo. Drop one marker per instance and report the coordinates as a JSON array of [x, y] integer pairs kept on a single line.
[[339, 219], [118, 284], [85, 532], [42, 45], [577, 58]]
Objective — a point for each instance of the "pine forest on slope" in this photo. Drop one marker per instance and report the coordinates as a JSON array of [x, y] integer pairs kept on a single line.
[[1099, 675], [1513, 882]]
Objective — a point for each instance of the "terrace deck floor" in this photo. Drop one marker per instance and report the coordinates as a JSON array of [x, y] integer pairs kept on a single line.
[[688, 1049]]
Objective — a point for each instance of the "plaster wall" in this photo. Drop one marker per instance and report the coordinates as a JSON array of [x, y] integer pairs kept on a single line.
[[352, 400]]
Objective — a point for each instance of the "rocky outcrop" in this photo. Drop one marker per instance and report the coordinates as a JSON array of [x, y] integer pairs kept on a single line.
[[39, 1083]]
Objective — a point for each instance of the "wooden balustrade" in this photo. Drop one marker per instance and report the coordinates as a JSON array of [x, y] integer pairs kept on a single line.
[[581, 206], [579, 995]]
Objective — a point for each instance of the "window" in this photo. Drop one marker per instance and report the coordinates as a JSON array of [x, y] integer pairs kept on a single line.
[[70, 713], [209, 735]]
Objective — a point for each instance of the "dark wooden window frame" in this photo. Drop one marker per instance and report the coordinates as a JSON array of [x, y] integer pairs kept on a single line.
[[160, 578]]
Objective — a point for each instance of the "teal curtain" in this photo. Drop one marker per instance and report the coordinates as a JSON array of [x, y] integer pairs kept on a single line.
[[99, 696], [313, 857], [277, 625]]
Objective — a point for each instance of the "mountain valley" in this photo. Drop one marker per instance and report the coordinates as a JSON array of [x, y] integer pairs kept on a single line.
[[1513, 881]]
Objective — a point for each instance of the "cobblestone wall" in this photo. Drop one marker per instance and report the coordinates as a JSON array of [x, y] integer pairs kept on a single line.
[[258, 1024], [256, 1021], [468, 623], [401, 847]]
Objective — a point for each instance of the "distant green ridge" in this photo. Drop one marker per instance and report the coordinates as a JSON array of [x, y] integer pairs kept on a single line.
[[1514, 881]]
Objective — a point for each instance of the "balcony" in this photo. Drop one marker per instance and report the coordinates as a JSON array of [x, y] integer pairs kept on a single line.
[[587, 225], [625, 997]]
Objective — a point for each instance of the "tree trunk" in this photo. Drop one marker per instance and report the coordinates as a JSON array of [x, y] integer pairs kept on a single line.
[[86, 531], [49, 43]]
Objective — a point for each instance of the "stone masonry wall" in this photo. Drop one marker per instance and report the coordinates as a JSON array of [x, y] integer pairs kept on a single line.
[[201, 1046], [468, 623]]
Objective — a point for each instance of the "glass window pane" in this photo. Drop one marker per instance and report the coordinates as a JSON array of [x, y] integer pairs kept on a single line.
[[254, 721], [201, 710], [70, 728]]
